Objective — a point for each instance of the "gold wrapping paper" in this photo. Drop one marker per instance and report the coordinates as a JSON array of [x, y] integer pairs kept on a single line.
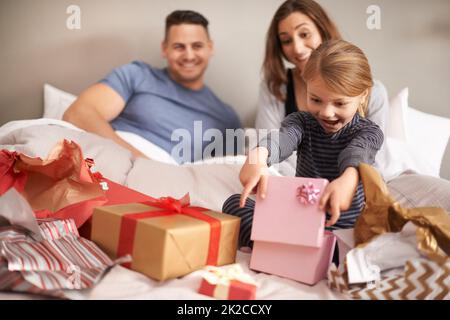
[[168, 246], [382, 214]]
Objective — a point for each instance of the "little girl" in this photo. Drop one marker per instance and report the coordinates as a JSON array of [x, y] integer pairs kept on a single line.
[[331, 139]]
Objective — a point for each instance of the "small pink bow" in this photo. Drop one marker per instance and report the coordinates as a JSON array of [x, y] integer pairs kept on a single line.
[[308, 194]]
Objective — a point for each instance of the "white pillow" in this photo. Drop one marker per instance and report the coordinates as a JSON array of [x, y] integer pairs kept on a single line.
[[397, 157], [56, 102], [414, 140], [397, 125], [430, 135]]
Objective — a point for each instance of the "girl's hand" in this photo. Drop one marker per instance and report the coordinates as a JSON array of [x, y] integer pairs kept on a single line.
[[254, 174], [339, 193]]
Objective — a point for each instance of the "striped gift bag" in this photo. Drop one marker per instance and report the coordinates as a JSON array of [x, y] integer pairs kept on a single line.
[[62, 260]]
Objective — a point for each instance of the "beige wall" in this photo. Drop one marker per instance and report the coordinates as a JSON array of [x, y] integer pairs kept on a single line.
[[411, 49]]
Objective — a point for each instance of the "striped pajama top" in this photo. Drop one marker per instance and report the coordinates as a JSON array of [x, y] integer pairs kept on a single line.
[[326, 155]]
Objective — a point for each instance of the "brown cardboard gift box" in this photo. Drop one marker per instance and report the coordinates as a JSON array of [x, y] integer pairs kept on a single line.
[[166, 237]]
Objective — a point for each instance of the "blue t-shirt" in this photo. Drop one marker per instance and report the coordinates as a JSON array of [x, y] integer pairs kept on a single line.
[[155, 106]]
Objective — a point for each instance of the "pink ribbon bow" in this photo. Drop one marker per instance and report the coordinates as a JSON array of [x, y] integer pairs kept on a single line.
[[308, 194]]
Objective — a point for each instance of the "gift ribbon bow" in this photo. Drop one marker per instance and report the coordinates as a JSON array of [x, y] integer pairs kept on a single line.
[[223, 279], [308, 194], [171, 203], [215, 275], [169, 206]]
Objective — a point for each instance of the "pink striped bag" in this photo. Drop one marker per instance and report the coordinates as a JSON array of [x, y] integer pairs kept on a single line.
[[61, 261]]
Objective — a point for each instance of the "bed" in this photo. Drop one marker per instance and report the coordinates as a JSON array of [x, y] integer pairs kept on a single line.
[[209, 183]]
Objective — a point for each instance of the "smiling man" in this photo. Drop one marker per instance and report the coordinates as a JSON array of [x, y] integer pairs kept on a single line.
[[154, 103]]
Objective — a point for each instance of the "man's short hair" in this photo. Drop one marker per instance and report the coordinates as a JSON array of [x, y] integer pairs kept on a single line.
[[185, 17]]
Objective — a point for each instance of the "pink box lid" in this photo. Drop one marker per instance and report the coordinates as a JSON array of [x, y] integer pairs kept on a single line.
[[282, 217]]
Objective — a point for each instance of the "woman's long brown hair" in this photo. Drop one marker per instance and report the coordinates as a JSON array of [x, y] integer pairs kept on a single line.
[[273, 66]]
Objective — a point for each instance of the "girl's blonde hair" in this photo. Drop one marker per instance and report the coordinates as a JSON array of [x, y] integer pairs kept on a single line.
[[343, 67], [273, 65]]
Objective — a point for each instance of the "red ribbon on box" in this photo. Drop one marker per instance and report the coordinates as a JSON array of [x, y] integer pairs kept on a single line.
[[170, 206]]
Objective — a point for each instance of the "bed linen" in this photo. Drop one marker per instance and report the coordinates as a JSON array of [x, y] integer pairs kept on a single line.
[[209, 183]]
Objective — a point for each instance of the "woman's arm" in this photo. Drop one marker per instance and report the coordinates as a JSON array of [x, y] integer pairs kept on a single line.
[[270, 111], [269, 115]]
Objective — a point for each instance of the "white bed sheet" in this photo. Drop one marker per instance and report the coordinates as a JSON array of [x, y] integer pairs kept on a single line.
[[123, 284]]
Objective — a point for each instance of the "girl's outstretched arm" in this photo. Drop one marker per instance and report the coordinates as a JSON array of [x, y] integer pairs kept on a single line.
[[254, 174], [339, 194]]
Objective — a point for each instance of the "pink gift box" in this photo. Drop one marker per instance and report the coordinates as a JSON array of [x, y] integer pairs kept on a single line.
[[289, 230], [301, 263]]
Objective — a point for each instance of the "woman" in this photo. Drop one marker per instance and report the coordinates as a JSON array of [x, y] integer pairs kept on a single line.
[[297, 28]]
